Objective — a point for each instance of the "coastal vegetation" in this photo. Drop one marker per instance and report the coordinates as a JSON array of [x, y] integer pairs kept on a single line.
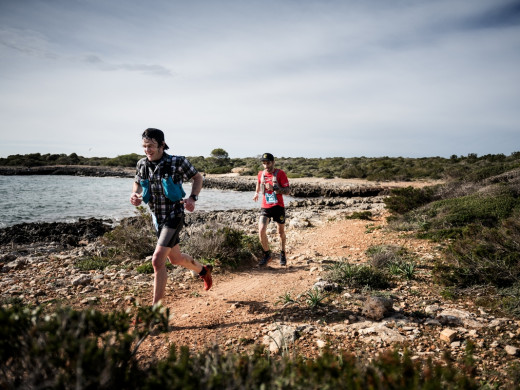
[[474, 218], [94, 350], [471, 167], [478, 225]]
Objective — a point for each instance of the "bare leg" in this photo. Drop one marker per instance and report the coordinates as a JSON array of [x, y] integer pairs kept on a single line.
[[262, 232], [160, 274], [159, 265], [177, 258], [283, 237]]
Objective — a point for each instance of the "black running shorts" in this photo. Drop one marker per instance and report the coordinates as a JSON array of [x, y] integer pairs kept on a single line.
[[277, 213], [168, 233]]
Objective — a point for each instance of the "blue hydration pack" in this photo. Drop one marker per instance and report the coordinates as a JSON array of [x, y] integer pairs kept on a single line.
[[172, 191]]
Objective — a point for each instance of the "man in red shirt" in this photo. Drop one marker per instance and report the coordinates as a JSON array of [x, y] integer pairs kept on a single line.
[[272, 184]]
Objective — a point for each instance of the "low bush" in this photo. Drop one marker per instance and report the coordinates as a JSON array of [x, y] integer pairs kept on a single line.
[[222, 245], [72, 349], [484, 255], [90, 350], [364, 215], [134, 237], [402, 200]]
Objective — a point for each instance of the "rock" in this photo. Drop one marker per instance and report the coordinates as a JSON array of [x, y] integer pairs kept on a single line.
[[15, 265], [321, 344], [448, 335], [510, 350], [376, 308], [280, 338], [456, 317], [81, 280], [89, 300], [298, 223], [326, 286], [62, 232], [373, 331]]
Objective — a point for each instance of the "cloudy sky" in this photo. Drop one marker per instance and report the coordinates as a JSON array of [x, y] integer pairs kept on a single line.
[[310, 78]]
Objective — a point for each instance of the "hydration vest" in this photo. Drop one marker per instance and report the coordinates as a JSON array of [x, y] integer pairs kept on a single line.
[[262, 180], [172, 191]]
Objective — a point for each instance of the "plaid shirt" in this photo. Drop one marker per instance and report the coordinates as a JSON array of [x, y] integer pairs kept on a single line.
[[160, 205]]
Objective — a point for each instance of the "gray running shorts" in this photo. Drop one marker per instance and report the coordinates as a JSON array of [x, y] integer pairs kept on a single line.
[[168, 233]]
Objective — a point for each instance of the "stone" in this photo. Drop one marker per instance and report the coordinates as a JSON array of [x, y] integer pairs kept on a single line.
[[321, 344], [510, 350], [376, 308], [81, 280], [448, 335], [280, 338], [456, 317]]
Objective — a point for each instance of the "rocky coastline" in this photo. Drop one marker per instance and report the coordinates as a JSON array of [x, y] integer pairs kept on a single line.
[[301, 188]]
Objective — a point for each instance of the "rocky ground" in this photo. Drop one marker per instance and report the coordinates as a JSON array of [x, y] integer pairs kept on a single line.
[[252, 306]]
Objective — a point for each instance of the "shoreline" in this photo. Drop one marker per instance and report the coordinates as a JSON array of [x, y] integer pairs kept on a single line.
[[310, 187]]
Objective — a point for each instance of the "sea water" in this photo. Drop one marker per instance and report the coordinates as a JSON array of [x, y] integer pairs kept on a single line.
[[41, 198]]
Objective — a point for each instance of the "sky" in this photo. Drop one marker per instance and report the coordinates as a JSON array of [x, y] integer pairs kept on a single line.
[[296, 78]]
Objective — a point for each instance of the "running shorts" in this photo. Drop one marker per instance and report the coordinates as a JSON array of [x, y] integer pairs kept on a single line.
[[277, 213], [169, 230]]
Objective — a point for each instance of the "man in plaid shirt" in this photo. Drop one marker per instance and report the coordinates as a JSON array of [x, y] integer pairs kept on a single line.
[[167, 214]]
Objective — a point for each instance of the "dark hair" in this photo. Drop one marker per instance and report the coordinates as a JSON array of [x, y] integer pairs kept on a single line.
[[157, 135]]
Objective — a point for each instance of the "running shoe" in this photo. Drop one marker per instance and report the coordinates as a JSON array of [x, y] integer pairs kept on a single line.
[[266, 259], [208, 282], [283, 260]]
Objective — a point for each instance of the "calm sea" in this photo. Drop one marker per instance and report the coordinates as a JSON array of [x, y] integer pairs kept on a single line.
[[68, 198]]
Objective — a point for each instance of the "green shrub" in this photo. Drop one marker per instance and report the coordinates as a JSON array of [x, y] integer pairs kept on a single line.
[[133, 237], [72, 349], [476, 208], [227, 246], [90, 263], [88, 349], [402, 200], [484, 256], [357, 276], [364, 215]]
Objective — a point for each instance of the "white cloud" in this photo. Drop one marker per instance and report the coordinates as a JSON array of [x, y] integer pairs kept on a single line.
[[320, 78]]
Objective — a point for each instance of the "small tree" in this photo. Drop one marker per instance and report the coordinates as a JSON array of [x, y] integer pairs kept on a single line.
[[220, 154]]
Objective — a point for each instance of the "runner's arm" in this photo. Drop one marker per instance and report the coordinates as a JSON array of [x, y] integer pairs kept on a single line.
[[196, 186], [282, 190], [135, 199]]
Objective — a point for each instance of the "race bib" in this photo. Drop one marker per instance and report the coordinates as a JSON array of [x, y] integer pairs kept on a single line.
[[271, 198]]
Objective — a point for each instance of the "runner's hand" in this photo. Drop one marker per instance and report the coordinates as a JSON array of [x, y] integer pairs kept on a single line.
[[136, 199], [189, 204]]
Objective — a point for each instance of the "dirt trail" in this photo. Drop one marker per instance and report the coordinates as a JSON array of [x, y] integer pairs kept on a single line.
[[241, 304]]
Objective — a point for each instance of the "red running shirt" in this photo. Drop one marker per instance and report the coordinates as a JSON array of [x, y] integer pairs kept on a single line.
[[270, 199]]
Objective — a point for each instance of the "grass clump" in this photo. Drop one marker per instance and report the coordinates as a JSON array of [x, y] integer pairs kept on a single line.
[[91, 263], [393, 259], [357, 276]]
